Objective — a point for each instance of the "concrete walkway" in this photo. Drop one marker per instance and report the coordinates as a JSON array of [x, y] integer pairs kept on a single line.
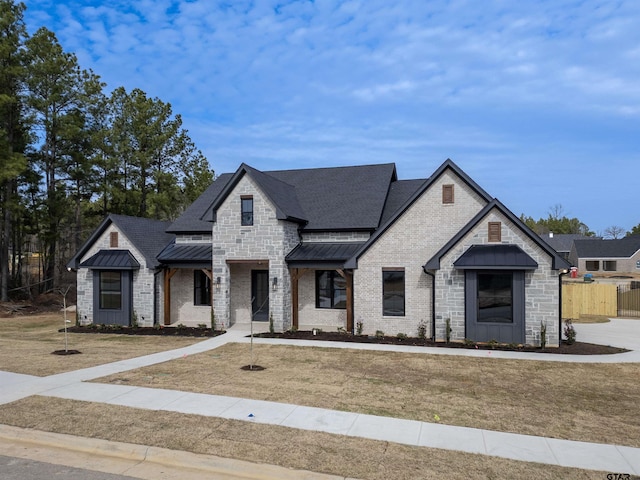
[[610, 458]]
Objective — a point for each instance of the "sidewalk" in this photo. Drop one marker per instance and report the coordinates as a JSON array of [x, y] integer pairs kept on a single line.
[[611, 458]]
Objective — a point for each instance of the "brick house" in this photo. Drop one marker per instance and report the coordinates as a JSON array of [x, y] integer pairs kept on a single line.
[[331, 248], [601, 256]]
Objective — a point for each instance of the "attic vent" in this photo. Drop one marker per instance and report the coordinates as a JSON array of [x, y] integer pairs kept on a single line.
[[113, 239], [447, 193], [495, 234]]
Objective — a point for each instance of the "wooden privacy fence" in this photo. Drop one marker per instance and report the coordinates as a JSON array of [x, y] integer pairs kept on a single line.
[[589, 299]]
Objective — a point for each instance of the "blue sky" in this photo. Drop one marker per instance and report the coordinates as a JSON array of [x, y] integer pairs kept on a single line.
[[538, 101]]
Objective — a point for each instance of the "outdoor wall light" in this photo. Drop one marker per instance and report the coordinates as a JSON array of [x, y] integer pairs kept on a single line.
[[218, 281], [275, 283]]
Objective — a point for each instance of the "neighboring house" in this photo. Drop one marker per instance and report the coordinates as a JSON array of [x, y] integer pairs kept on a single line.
[[562, 242], [337, 247], [606, 256]]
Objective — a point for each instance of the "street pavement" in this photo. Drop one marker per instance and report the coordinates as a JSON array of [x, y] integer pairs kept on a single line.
[[73, 385]]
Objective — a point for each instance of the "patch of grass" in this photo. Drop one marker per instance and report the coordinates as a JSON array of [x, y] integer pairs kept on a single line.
[[588, 402], [315, 451], [26, 343]]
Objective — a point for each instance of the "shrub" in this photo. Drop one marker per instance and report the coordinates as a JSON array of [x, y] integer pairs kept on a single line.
[[422, 330], [543, 335], [359, 327], [202, 325], [448, 329], [569, 332], [493, 343], [341, 330], [379, 334], [469, 343], [401, 336], [271, 328]]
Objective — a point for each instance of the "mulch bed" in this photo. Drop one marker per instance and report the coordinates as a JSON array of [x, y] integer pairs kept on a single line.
[[157, 331], [577, 348]]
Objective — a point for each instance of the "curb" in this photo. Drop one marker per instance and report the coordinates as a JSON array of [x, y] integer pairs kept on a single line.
[[138, 460]]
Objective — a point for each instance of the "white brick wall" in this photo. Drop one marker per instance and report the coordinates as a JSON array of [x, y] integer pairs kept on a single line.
[[412, 240], [183, 310]]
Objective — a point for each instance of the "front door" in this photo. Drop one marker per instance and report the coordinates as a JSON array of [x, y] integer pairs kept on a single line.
[[260, 295], [494, 306]]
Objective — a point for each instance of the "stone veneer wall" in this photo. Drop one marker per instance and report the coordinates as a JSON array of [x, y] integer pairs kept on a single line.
[[412, 240], [267, 239], [143, 281], [541, 286]]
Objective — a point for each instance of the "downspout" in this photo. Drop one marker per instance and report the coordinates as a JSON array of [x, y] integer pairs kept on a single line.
[[433, 303], [563, 272]]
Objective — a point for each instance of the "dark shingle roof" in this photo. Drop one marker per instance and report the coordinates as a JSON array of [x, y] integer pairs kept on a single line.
[[562, 242], [620, 248], [399, 193], [341, 198], [282, 194], [192, 221], [147, 235], [336, 198]]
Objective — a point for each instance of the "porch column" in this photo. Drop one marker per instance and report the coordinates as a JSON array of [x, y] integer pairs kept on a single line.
[[348, 277], [295, 274], [167, 294]]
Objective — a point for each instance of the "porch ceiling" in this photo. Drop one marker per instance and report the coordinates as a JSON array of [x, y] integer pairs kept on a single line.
[[506, 257]]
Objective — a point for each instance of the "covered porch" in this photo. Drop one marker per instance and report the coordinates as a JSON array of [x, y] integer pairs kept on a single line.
[[321, 288], [187, 285]]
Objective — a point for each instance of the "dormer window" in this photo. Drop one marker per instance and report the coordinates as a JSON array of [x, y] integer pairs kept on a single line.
[[247, 210]]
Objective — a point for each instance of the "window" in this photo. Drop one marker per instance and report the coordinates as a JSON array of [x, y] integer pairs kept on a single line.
[[113, 239], [447, 193], [495, 297], [495, 232], [110, 290], [393, 293], [638, 264], [201, 288], [331, 290], [609, 265], [592, 265], [247, 210]]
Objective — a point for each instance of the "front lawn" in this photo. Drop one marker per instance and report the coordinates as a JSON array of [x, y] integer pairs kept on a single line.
[[589, 402]]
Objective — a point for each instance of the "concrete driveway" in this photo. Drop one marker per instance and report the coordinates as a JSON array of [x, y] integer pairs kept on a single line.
[[617, 333]]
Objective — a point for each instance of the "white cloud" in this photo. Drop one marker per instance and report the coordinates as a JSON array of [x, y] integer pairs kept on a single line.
[[510, 90]]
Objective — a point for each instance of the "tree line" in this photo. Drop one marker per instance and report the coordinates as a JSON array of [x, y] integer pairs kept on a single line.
[[557, 222], [71, 153]]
